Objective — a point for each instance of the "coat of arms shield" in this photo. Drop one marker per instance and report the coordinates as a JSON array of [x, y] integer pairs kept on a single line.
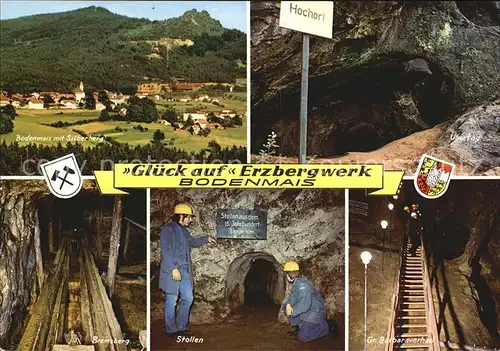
[[63, 176], [433, 177]]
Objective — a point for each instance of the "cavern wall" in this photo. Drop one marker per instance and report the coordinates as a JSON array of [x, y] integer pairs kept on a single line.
[[392, 68], [17, 257]]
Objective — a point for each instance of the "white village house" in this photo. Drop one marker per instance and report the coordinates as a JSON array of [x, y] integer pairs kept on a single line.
[[194, 116], [35, 104], [99, 106], [4, 101], [228, 113], [185, 99], [202, 123], [71, 104]]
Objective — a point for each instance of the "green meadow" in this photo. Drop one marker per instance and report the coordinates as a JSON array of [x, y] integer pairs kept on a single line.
[[31, 123], [230, 101]]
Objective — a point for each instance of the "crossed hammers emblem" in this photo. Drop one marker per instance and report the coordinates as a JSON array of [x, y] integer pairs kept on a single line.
[[56, 176]]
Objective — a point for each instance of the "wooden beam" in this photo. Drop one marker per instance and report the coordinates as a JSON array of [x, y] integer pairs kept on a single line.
[[87, 323], [140, 269], [100, 325], [102, 310], [114, 243], [59, 229], [36, 332], [140, 226], [56, 329], [51, 236], [127, 239], [38, 253], [50, 215], [98, 221], [132, 281]]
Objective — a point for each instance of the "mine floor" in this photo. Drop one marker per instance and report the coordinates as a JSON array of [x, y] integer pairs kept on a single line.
[[246, 330]]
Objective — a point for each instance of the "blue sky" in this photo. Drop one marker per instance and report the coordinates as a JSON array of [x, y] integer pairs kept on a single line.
[[232, 14]]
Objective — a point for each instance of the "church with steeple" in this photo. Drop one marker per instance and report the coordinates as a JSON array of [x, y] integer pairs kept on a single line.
[[79, 92]]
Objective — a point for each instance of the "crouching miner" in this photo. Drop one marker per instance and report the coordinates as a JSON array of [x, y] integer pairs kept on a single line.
[[175, 277], [304, 307]]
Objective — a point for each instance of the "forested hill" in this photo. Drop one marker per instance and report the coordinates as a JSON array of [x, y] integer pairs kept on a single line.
[[53, 52]]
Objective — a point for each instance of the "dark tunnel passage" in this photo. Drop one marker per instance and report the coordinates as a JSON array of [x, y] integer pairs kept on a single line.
[[360, 110], [255, 282], [485, 301], [259, 285], [90, 216]]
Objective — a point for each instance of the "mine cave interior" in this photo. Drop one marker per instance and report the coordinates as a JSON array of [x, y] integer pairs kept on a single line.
[[90, 271], [255, 286], [239, 284], [363, 109], [260, 284], [385, 79], [459, 267]]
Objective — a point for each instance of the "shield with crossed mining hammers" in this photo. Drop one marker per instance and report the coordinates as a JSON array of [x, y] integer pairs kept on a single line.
[[63, 176]]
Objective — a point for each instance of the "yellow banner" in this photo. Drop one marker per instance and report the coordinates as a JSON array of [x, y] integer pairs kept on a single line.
[[249, 176]]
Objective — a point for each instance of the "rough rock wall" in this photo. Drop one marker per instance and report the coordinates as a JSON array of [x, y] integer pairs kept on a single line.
[[18, 206], [17, 255], [474, 138], [305, 225], [391, 69]]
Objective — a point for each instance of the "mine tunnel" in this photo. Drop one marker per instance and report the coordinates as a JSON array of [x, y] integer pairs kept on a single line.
[[359, 110], [81, 266], [462, 237], [255, 283], [459, 262], [260, 283]]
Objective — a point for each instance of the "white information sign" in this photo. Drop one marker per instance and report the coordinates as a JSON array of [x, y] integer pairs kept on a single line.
[[311, 17]]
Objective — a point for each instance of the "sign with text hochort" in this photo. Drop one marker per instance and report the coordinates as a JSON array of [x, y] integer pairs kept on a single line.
[[311, 17]]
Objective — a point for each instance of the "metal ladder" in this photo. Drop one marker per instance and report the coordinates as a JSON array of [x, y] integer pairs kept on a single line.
[[412, 319], [413, 323]]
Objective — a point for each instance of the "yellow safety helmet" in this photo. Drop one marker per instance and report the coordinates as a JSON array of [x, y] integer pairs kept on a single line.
[[184, 209], [414, 206], [406, 208], [291, 266]]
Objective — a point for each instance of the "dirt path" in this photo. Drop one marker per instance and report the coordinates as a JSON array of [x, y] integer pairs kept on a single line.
[[245, 331], [401, 154]]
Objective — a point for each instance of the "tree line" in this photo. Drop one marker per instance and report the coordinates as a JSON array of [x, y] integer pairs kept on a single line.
[[7, 116], [13, 156], [137, 110]]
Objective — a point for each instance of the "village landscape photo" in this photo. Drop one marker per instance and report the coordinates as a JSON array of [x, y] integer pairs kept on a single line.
[[102, 83]]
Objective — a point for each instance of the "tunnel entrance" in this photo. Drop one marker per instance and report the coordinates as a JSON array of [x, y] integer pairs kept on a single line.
[[255, 281], [361, 109], [259, 283], [74, 289]]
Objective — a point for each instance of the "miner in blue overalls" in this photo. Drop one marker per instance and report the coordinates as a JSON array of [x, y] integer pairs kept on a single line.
[[175, 277], [304, 307]]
